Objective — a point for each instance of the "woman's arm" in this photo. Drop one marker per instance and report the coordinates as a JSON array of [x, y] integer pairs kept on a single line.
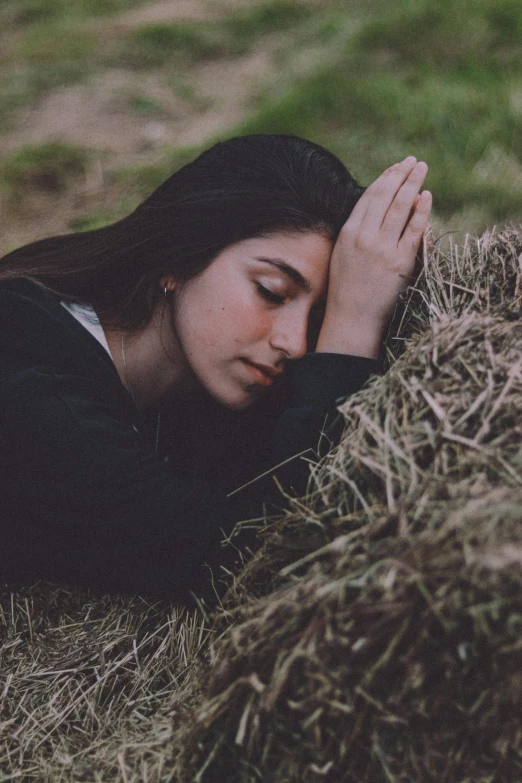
[[374, 260]]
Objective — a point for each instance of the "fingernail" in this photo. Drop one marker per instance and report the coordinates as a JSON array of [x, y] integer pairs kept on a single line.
[[410, 159]]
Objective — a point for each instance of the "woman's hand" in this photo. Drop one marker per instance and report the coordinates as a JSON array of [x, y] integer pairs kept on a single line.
[[374, 260]]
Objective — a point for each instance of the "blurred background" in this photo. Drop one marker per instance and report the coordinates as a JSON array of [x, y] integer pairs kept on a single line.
[[100, 100]]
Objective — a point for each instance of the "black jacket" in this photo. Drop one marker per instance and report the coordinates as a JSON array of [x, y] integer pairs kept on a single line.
[[84, 497]]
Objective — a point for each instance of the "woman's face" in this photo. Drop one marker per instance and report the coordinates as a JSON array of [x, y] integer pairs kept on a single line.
[[248, 313]]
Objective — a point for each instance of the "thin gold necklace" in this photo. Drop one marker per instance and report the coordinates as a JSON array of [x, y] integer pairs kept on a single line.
[[129, 388], [127, 384]]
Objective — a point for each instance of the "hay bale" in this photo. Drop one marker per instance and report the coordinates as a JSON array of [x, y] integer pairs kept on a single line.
[[377, 635]]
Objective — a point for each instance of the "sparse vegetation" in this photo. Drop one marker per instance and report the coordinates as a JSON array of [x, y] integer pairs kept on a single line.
[[33, 12], [383, 96], [432, 36], [245, 29], [437, 79], [56, 44], [48, 167], [142, 180], [156, 45], [143, 104]]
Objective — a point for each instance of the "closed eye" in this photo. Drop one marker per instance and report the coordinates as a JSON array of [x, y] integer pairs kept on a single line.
[[269, 295]]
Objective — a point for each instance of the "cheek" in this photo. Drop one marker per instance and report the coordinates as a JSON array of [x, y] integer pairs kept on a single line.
[[230, 323], [239, 322], [249, 324]]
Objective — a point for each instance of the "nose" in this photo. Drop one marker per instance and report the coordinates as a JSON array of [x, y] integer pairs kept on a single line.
[[290, 333]]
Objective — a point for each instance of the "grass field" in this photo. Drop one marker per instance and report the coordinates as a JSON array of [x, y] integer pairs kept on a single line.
[[373, 81]]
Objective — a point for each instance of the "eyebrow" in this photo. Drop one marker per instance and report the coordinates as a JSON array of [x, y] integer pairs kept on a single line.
[[288, 270]]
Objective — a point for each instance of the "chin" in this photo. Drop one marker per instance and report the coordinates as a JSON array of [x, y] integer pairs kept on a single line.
[[239, 401], [239, 404]]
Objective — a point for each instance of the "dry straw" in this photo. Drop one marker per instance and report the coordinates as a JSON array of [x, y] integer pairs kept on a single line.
[[89, 684], [375, 636]]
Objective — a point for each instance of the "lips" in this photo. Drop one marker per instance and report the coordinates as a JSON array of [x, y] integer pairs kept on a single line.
[[264, 374]]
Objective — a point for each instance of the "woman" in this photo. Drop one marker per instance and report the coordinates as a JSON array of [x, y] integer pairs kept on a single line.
[[150, 367]]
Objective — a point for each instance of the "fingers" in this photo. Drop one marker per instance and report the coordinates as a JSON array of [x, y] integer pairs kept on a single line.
[[404, 202], [381, 193], [417, 224], [389, 180]]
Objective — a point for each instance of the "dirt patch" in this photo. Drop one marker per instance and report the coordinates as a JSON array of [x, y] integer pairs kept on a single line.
[[180, 10], [127, 117], [99, 115]]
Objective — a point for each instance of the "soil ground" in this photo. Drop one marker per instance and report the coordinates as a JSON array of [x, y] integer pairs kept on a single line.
[[184, 109]]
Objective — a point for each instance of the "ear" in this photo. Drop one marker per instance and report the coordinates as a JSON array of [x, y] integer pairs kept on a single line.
[[167, 283]]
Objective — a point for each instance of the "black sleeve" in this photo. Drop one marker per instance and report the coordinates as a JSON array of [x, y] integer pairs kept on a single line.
[[312, 423], [319, 382], [89, 502]]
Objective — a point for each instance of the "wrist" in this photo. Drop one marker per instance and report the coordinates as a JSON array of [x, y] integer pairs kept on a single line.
[[354, 338]]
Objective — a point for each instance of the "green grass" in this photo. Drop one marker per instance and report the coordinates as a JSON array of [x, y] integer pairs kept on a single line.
[[55, 54], [55, 43], [14, 96], [47, 167], [143, 104], [136, 182], [431, 79], [444, 37], [53, 49], [141, 180], [245, 29], [47, 55], [26, 12], [101, 218], [156, 45]]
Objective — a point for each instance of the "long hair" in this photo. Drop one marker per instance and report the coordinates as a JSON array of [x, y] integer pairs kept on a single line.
[[239, 189]]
